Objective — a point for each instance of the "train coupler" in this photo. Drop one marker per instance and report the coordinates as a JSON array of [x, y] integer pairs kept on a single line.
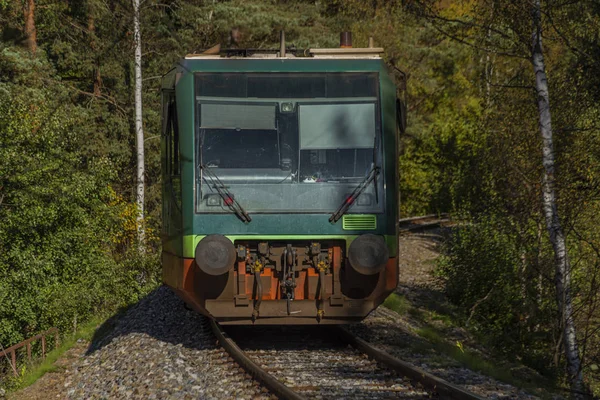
[[320, 315], [321, 267], [256, 267]]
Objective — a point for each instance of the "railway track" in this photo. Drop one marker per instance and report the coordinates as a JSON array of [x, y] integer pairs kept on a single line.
[[296, 362], [421, 223]]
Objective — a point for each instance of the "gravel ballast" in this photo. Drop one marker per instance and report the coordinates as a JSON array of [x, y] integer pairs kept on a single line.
[[159, 350], [384, 330]]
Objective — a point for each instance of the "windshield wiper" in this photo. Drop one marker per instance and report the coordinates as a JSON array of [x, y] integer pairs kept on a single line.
[[225, 194], [371, 176]]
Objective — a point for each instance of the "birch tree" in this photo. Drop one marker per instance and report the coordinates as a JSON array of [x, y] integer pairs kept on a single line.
[[553, 225], [511, 36], [139, 129]]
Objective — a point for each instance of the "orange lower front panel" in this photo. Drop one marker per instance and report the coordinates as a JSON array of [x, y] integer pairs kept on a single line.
[[231, 298]]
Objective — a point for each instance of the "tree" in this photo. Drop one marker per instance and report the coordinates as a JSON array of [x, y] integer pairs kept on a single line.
[[553, 224], [30, 31], [91, 31], [503, 29], [60, 219], [139, 129]]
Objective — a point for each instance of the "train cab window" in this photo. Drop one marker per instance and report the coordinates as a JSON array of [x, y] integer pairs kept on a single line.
[[239, 135], [249, 148], [288, 141], [336, 141], [286, 85]]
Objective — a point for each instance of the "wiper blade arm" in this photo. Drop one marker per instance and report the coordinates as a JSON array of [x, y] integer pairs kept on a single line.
[[371, 176], [225, 194]]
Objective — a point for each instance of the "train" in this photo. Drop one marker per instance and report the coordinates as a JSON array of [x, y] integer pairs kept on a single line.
[[280, 183]]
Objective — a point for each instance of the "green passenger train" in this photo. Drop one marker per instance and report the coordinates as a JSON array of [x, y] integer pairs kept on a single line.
[[280, 173]]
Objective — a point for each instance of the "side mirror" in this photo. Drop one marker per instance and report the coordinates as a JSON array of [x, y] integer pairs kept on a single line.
[[401, 115]]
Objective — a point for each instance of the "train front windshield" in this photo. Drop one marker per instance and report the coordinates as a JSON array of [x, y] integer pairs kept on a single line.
[[287, 142]]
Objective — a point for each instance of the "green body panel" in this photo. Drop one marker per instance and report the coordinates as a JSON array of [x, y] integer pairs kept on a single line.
[[193, 226], [191, 241]]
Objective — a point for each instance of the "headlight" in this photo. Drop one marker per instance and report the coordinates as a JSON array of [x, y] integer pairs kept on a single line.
[[213, 200], [215, 254], [287, 107], [368, 254]]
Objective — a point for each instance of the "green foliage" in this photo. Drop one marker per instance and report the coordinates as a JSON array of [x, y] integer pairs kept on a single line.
[[67, 220], [475, 362], [261, 21], [480, 268], [433, 326], [30, 373], [397, 303], [437, 163], [494, 278], [56, 261]]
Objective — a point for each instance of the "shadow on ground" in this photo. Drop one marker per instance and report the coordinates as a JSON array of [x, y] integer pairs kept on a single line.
[[161, 315]]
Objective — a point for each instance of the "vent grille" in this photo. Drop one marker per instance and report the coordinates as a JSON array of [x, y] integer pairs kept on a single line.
[[359, 222]]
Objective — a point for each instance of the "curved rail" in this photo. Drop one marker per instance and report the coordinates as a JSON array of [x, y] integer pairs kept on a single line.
[[430, 382], [438, 385], [422, 217], [423, 222], [276, 387]]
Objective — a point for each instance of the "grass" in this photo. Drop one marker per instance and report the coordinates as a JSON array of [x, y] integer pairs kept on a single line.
[[93, 330], [397, 303], [31, 374], [442, 318], [475, 362], [435, 340], [468, 358]]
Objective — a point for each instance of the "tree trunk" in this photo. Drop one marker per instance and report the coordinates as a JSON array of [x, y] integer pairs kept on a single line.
[[96, 77], [557, 237], [30, 32], [139, 130]]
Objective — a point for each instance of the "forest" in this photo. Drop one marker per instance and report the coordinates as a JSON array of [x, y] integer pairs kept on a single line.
[[502, 134]]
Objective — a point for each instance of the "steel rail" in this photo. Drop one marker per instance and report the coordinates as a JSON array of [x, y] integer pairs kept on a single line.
[[420, 217], [411, 224], [276, 387], [438, 385]]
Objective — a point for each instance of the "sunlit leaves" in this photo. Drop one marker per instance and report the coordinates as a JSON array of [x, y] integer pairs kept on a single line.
[[57, 212]]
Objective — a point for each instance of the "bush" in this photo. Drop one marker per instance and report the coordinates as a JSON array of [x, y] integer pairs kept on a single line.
[[58, 214], [492, 276]]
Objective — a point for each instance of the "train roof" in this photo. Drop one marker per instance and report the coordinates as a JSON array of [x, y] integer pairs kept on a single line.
[[325, 62], [345, 58], [308, 54]]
